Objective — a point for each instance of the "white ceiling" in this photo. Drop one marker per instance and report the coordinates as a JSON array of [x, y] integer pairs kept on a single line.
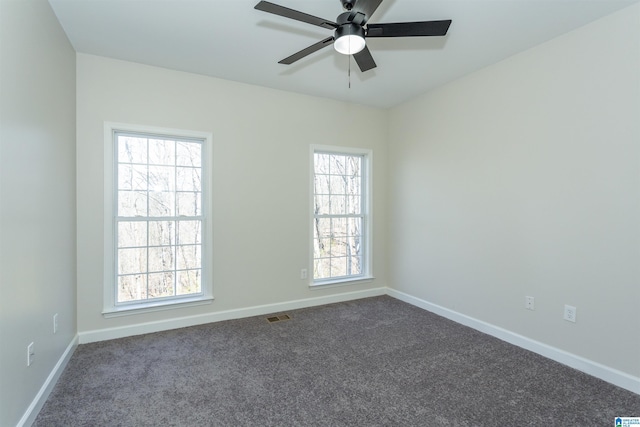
[[229, 39]]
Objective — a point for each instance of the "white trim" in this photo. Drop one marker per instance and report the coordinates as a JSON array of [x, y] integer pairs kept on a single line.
[[150, 307], [38, 402], [331, 283], [610, 375], [109, 299], [182, 322]]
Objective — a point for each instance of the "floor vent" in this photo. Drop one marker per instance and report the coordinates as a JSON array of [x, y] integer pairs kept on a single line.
[[272, 319]]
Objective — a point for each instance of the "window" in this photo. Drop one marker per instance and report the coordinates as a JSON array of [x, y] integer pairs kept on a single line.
[[159, 220], [341, 219]]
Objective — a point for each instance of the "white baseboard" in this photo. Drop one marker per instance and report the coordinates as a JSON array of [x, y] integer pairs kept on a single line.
[[34, 408], [182, 322], [610, 375]]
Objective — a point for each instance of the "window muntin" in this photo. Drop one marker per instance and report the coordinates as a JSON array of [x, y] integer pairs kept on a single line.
[[158, 217], [340, 216]]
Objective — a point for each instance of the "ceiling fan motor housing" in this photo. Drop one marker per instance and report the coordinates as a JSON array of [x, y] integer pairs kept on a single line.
[[344, 18], [349, 29]]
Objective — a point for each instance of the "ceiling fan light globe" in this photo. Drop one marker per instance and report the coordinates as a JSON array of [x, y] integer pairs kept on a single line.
[[349, 44], [349, 38]]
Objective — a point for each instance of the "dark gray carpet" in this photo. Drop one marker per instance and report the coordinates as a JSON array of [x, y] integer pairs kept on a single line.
[[372, 362]]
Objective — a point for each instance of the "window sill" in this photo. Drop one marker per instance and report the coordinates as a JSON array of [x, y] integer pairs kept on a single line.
[[340, 282], [149, 307]]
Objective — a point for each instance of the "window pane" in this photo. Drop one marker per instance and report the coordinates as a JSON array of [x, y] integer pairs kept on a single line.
[[125, 177], [338, 266], [189, 257], [188, 179], [132, 288], [353, 246], [354, 226], [353, 184], [323, 227], [132, 203], [337, 164], [321, 184], [338, 246], [189, 232], [337, 185], [161, 204], [162, 178], [188, 154], [132, 233], [132, 260], [189, 282], [322, 268], [339, 227], [321, 244], [322, 248], [161, 285], [161, 258], [354, 204], [132, 149], [338, 205], [321, 163], [322, 206], [161, 152], [189, 204], [354, 265], [354, 166], [132, 177], [161, 233]]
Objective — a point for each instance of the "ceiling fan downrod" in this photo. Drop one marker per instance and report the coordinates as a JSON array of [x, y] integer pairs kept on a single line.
[[347, 4]]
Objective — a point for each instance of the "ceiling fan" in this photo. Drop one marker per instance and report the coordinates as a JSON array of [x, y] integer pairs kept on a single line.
[[351, 29]]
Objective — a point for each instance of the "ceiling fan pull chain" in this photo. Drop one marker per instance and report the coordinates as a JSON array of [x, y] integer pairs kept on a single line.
[[349, 61], [349, 72]]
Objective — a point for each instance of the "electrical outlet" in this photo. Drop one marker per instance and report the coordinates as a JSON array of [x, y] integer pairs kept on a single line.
[[55, 323], [303, 273], [570, 313], [529, 303], [31, 354]]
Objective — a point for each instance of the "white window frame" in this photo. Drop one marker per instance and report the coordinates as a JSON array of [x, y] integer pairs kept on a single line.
[[110, 306], [367, 211]]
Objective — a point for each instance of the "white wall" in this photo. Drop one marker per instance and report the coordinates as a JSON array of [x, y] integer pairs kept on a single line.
[[524, 179], [261, 141], [37, 200]]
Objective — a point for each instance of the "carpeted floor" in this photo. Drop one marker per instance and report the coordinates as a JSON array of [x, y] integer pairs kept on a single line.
[[371, 362]]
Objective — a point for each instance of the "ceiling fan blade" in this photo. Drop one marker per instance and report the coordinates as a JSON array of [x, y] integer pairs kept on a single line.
[[364, 60], [266, 6], [409, 29], [367, 7], [307, 51]]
